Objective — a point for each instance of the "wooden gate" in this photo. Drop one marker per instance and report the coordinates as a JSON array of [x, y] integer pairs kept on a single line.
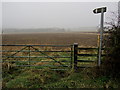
[[55, 57]]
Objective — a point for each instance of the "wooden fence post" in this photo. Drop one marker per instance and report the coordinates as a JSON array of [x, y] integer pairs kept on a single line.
[[75, 55]]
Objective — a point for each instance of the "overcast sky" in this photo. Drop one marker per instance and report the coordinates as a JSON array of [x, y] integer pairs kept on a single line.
[[53, 14]]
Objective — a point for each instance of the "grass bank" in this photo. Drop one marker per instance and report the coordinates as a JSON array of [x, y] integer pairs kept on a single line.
[[45, 78]]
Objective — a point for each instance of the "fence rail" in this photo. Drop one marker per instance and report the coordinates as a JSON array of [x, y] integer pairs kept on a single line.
[[77, 60]]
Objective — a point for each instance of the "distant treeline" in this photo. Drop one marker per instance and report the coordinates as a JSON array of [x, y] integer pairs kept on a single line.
[[33, 30]]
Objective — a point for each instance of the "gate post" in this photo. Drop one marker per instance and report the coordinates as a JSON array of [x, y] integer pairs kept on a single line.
[[75, 55]]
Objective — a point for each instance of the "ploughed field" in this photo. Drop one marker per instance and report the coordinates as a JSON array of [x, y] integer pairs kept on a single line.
[[83, 39]]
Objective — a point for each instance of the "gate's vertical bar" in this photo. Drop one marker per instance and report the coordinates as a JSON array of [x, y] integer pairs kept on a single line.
[[75, 55], [29, 55]]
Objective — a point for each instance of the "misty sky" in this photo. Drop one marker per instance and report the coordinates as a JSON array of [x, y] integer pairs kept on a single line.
[[51, 14]]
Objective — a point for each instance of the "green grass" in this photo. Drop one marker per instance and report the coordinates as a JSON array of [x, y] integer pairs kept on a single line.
[[31, 78], [46, 78]]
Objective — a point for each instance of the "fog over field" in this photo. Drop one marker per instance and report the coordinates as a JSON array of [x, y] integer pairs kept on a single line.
[[20, 17], [48, 30]]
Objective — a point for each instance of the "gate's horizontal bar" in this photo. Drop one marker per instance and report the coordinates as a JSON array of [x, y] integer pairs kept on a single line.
[[35, 57], [44, 65], [31, 51], [87, 54], [42, 45], [31, 61], [85, 61]]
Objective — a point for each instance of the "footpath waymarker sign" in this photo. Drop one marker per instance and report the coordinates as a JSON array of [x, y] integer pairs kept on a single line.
[[96, 11], [99, 10]]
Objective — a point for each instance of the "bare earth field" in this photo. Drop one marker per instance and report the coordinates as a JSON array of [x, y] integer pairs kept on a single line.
[[83, 39]]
